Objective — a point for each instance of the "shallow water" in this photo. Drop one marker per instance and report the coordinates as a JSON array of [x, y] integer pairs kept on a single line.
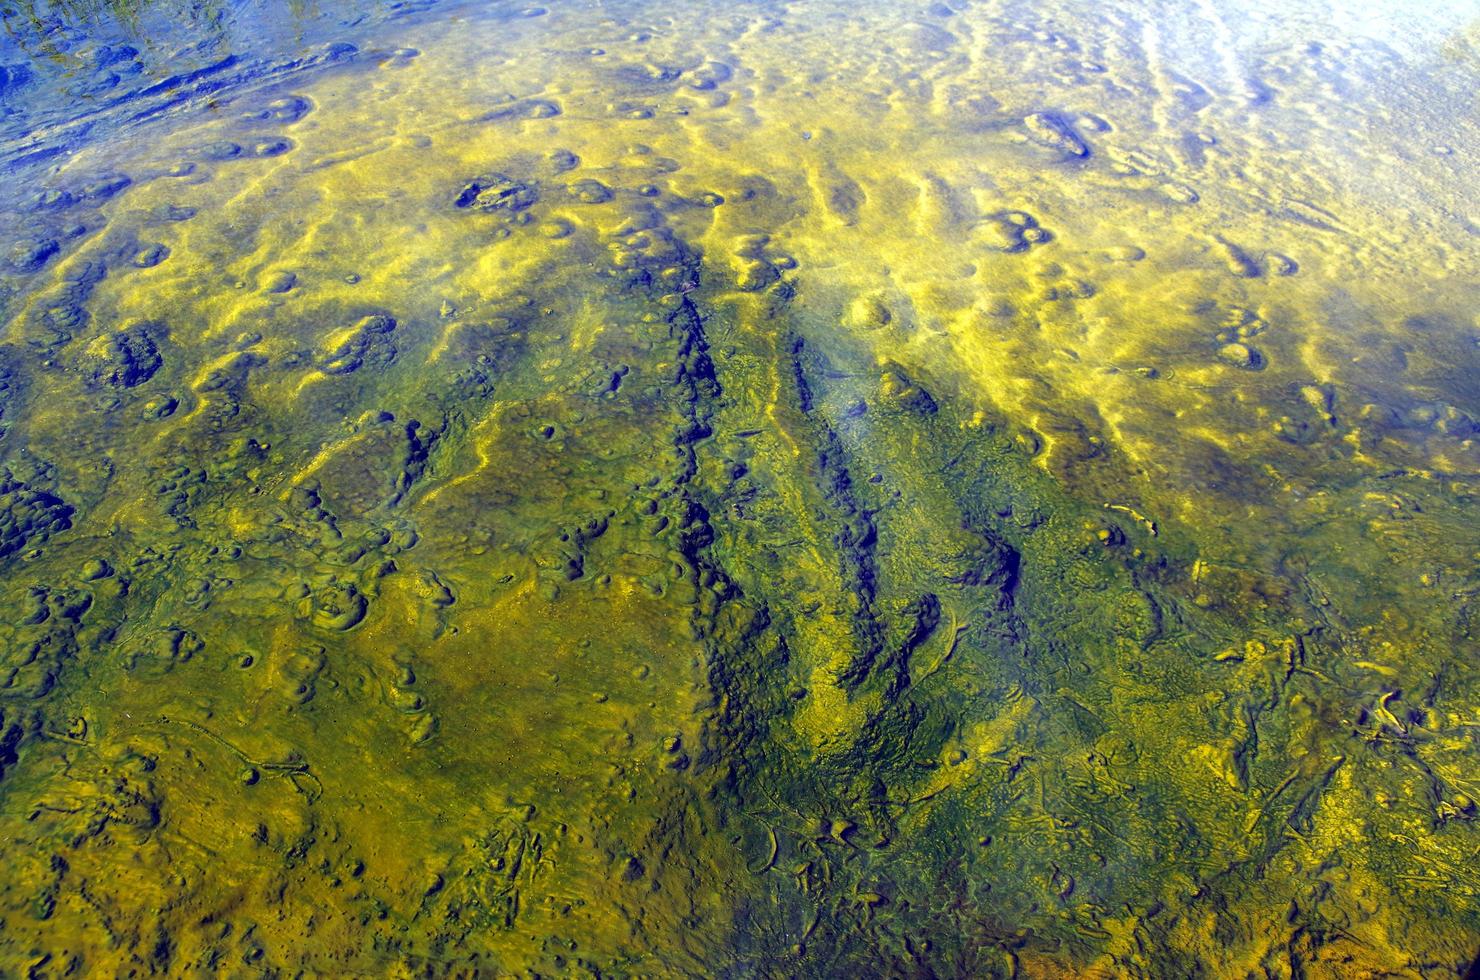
[[763, 489]]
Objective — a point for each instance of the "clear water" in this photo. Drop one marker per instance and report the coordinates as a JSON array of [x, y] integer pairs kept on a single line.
[[762, 489]]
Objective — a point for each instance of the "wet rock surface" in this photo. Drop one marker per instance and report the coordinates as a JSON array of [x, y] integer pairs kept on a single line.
[[125, 358], [496, 192], [28, 515]]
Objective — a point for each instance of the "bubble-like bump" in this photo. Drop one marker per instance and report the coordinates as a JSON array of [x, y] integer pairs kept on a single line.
[[897, 388], [275, 147], [423, 728], [286, 109], [159, 407], [1239, 262], [125, 358], [56, 319], [1454, 422], [171, 213], [337, 607], [280, 281], [631, 110], [106, 186], [28, 516], [1052, 131], [525, 109], [54, 199], [869, 312], [562, 160], [649, 75], [368, 341], [30, 255], [589, 191], [96, 568], [996, 307], [755, 275], [1067, 290], [1011, 231], [1281, 265], [1180, 193], [495, 192], [1241, 356], [219, 150], [710, 76], [150, 255]]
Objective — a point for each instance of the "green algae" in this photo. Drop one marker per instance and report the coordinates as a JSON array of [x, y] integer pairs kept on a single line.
[[559, 492]]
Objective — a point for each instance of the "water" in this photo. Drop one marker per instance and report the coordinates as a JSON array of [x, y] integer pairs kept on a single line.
[[765, 489]]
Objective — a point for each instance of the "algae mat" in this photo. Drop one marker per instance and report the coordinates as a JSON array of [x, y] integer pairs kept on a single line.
[[763, 489]]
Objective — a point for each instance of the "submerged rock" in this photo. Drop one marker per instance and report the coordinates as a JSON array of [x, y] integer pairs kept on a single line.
[[336, 607], [28, 516], [1011, 231], [368, 341], [898, 388], [1241, 356], [126, 358], [589, 191], [496, 192], [1052, 131], [29, 256], [286, 110]]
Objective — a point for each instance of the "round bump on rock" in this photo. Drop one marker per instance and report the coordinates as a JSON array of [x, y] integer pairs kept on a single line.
[[496, 192], [159, 407], [1012, 231], [29, 256], [219, 150], [287, 110], [125, 358], [280, 281], [94, 569], [589, 191], [104, 187], [271, 147], [151, 255], [1241, 356]]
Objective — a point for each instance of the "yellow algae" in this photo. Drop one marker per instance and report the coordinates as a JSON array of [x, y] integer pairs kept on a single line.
[[802, 489]]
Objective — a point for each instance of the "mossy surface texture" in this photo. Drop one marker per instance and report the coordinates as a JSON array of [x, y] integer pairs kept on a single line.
[[813, 489]]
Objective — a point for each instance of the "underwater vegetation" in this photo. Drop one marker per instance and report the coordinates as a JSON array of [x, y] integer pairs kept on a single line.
[[962, 489]]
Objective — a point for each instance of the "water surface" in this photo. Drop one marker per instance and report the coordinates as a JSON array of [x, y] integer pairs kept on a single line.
[[759, 489]]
